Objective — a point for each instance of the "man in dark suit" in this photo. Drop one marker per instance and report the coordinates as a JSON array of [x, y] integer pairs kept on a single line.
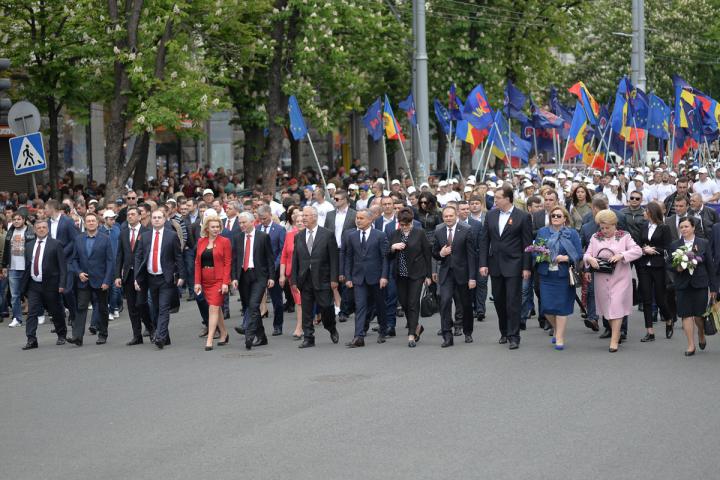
[[158, 260], [253, 270], [43, 281], [465, 217], [63, 230], [682, 209], [231, 223], [366, 271], [138, 307], [277, 236], [454, 249], [506, 234], [191, 219], [315, 272], [340, 221], [93, 264]]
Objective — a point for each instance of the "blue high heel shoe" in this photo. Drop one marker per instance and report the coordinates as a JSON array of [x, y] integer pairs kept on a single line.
[[553, 339], [559, 347]]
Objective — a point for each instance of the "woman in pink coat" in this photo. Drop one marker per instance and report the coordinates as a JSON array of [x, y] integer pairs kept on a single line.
[[613, 293]]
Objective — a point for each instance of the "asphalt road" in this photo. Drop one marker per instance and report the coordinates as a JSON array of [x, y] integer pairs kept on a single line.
[[384, 411]]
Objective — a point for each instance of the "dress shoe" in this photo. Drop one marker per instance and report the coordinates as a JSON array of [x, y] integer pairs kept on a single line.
[[593, 325], [335, 336], [135, 341], [702, 345], [248, 343], [30, 346], [457, 332], [291, 309], [216, 335], [440, 332], [226, 315], [342, 318], [375, 329], [307, 343], [669, 331], [60, 341], [480, 317], [623, 336], [240, 330], [276, 332], [584, 315], [101, 341], [613, 350], [227, 340], [146, 333], [71, 321], [92, 330], [523, 326], [259, 342], [551, 332], [265, 315], [513, 346], [468, 339], [606, 334], [448, 343], [191, 298], [381, 338], [649, 337], [547, 326], [390, 332], [690, 354], [74, 341], [559, 347], [356, 342], [532, 313], [52, 331], [502, 340], [418, 332], [400, 313], [159, 343], [411, 344], [207, 349], [174, 310], [641, 308], [204, 333]]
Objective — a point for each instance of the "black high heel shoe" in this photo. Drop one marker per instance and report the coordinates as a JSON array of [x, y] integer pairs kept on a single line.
[[417, 335], [411, 343], [690, 354], [207, 349], [227, 340], [613, 350], [265, 315], [703, 345]]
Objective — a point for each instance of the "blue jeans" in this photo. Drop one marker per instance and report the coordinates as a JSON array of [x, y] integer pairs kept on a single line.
[[527, 294], [114, 298], [14, 277], [4, 307], [481, 291], [189, 258]]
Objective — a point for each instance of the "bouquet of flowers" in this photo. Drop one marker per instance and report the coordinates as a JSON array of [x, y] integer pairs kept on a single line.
[[539, 247], [684, 258]]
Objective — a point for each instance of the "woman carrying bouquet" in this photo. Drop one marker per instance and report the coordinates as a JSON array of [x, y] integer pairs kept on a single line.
[[557, 297], [656, 239], [613, 291], [692, 266]]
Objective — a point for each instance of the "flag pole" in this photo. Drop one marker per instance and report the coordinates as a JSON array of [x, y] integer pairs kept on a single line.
[[487, 162], [406, 161], [482, 157], [387, 173], [512, 177], [535, 140], [456, 160], [319, 168], [508, 153], [565, 152], [423, 178]]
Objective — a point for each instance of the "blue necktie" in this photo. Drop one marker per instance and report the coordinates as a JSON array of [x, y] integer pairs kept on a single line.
[[362, 241]]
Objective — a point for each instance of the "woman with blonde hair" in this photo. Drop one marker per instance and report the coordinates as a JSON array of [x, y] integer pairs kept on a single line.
[[212, 275]]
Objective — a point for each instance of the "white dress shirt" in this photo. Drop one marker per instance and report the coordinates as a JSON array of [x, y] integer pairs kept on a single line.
[[450, 230], [265, 229], [339, 223], [504, 218], [54, 227], [314, 235], [651, 230], [152, 249], [251, 260], [230, 222], [40, 245], [386, 221], [689, 243]]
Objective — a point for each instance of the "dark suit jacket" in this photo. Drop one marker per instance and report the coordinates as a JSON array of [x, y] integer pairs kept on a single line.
[[277, 236], [463, 257], [235, 230], [704, 274], [368, 265], [418, 255], [709, 217], [675, 233], [715, 246], [343, 250], [661, 240], [125, 255], [263, 257], [66, 235], [171, 260], [322, 266], [54, 265], [538, 222], [505, 254], [192, 234], [349, 223], [99, 266], [621, 225]]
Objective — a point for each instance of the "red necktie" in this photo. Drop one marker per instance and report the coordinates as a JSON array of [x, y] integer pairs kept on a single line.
[[132, 240], [37, 259], [246, 261], [156, 249], [228, 224]]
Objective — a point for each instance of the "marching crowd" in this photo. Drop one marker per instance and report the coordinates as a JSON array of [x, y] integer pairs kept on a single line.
[[330, 245]]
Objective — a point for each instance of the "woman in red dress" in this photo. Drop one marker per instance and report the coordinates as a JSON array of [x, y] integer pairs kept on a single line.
[[212, 274], [286, 267]]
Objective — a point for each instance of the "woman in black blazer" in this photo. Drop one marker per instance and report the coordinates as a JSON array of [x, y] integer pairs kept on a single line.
[[655, 242], [410, 249], [691, 291]]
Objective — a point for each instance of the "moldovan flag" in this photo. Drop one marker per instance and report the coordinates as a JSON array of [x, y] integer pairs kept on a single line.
[[392, 128], [576, 137], [467, 133], [594, 160]]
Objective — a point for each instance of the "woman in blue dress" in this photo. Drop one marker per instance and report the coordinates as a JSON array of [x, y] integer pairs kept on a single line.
[[557, 298]]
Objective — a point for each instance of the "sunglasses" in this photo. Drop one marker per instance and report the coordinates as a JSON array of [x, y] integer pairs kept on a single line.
[[423, 203], [636, 198], [557, 215], [337, 199]]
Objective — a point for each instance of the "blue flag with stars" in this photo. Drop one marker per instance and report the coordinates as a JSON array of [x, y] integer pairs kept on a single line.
[[443, 117], [659, 118], [373, 121], [409, 106], [297, 123]]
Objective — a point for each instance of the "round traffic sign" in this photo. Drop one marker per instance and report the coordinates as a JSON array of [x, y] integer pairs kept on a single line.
[[24, 119]]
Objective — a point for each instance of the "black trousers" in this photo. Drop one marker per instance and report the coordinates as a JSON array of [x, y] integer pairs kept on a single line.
[[84, 297], [161, 293], [138, 308], [653, 279], [536, 288], [325, 299], [409, 292], [37, 298], [447, 290], [251, 292], [508, 300]]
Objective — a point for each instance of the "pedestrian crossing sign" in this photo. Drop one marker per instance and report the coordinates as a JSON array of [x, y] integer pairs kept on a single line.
[[28, 153]]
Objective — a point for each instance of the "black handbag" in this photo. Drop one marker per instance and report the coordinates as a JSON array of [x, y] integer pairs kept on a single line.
[[709, 321], [574, 277], [428, 303], [636, 294], [604, 266]]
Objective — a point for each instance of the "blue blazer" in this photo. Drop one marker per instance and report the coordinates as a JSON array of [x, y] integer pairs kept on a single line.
[[575, 259], [392, 225], [100, 265], [477, 227], [366, 266], [66, 235], [277, 240]]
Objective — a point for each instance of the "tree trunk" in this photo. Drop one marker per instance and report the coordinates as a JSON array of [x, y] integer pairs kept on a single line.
[[252, 154], [442, 148], [53, 160], [141, 162], [465, 159], [295, 157]]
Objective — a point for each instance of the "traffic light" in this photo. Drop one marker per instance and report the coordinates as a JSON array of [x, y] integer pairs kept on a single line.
[[5, 103]]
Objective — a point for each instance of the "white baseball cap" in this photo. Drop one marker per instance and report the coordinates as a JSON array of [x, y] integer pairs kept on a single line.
[[353, 186], [395, 182], [207, 191], [353, 171], [442, 183], [454, 180], [381, 180], [331, 186], [639, 178], [209, 212], [703, 170], [424, 184], [561, 175], [614, 183], [411, 189], [467, 189], [325, 167], [109, 214], [587, 180]]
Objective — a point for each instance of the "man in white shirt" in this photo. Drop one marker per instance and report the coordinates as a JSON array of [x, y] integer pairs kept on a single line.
[[388, 207], [362, 202], [639, 185], [277, 209], [322, 206], [707, 188], [663, 189], [446, 195]]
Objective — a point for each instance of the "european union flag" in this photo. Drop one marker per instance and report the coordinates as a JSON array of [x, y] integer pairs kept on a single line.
[[540, 118], [409, 106], [373, 121], [477, 111], [456, 106], [659, 121], [443, 117], [297, 123], [514, 102]]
